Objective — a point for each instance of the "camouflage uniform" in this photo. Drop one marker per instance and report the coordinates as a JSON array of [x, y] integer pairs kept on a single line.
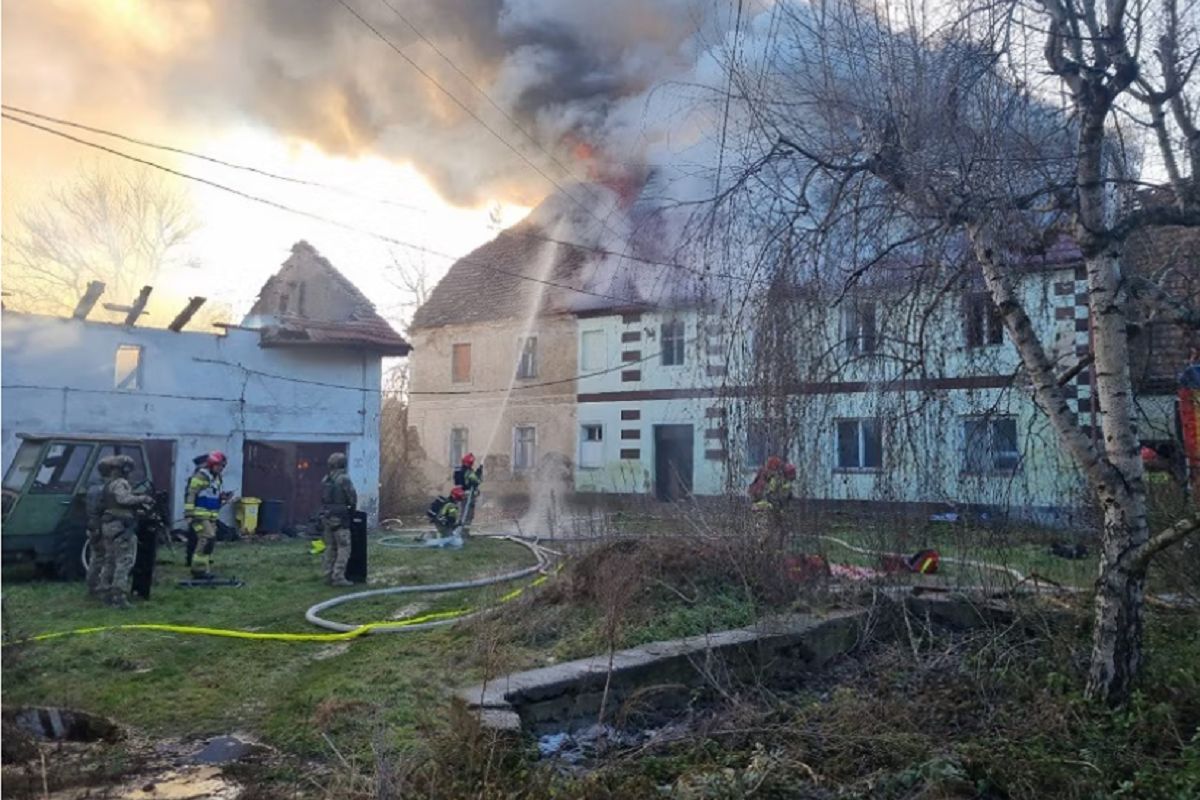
[[95, 509], [118, 528], [338, 501]]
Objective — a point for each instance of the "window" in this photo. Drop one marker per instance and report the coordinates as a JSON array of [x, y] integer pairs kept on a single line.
[[460, 363], [859, 330], [524, 447], [527, 365], [458, 445], [128, 373], [591, 446], [983, 321], [133, 451], [761, 444], [592, 353], [990, 445], [859, 444], [672, 343], [22, 464], [61, 468]]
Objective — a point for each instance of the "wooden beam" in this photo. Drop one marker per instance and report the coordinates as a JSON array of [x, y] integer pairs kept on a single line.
[[88, 301], [132, 312], [188, 312]]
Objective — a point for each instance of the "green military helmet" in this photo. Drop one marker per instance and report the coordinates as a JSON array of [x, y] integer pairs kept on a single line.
[[109, 466], [337, 461], [124, 464]]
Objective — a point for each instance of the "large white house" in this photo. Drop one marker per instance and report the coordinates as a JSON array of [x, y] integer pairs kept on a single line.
[[298, 380]]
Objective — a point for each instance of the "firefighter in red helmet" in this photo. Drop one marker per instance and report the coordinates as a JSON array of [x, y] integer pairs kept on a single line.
[[468, 477], [201, 506]]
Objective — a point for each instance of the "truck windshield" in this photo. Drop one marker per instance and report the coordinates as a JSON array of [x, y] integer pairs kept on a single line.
[[22, 464], [61, 468]]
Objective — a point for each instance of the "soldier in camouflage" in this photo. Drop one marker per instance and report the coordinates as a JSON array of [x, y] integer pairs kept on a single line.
[[118, 528], [95, 508], [338, 501]]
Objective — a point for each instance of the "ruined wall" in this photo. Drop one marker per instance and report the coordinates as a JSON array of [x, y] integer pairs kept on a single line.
[[485, 407], [207, 392]]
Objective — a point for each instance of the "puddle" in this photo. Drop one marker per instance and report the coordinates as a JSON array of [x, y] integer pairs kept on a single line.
[[575, 749]]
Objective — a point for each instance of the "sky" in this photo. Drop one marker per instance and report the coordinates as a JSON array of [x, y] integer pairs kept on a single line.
[[445, 120]]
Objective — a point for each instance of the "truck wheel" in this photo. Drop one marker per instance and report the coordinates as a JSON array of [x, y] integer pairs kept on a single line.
[[67, 563]]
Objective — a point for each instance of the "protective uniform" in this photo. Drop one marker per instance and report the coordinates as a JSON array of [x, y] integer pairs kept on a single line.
[[771, 491], [118, 528], [95, 509], [468, 477], [201, 506], [444, 513], [338, 501]]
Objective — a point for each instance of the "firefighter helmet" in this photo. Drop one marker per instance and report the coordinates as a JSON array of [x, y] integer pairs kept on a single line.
[[789, 471], [216, 459], [774, 463], [468, 460], [457, 494]]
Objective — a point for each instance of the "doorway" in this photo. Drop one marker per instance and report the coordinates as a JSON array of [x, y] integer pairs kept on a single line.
[[673, 448], [288, 471]]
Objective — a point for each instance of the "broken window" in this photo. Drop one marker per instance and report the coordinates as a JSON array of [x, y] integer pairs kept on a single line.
[[990, 445], [859, 443], [591, 446], [859, 330], [22, 464], [460, 363], [61, 468], [592, 355], [672, 343], [527, 365], [524, 447], [128, 373], [983, 321], [458, 445]]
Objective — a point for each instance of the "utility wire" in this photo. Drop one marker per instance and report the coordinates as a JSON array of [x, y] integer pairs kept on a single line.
[[212, 159], [307, 382], [630, 301], [597, 250]]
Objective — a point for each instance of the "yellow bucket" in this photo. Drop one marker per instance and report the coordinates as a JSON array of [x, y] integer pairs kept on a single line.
[[246, 513]]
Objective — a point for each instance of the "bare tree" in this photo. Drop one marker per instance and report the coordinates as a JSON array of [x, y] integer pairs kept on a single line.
[[119, 227], [1009, 125]]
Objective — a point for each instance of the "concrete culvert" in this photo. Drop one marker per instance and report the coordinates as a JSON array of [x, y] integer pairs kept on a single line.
[[60, 724]]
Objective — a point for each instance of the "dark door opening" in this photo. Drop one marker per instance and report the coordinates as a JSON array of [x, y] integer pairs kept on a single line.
[[160, 453], [673, 447], [288, 471]]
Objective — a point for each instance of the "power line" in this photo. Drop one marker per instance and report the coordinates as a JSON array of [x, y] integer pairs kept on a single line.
[[326, 220], [595, 249], [212, 159]]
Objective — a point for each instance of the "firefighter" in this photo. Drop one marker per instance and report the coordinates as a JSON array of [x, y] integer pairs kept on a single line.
[[338, 501], [201, 505], [95, 509], [118, 527], [444, 511], [771, 491], [469, 477]]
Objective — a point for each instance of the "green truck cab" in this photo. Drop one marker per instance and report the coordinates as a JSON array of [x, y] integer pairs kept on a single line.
[[45, 492]]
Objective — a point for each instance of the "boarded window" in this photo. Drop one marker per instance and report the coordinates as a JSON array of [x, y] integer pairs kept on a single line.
[[592, 351], [460, 363], [672, 343], [990, 445], [527, 364], [859, 328], [859, 444], [591, 446], [984, 326], [524, 447], [128, 373], [61, 468], [458, 445]]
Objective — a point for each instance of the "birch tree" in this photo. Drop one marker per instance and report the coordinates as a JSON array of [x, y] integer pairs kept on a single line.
[[1010, 124]]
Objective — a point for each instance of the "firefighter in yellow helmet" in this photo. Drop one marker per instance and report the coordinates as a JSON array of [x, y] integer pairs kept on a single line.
[[118, 526], [201, 505], [338, 501]]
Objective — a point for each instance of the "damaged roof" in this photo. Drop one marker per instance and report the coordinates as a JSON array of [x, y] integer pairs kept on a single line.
[[506, 278], [309, 303]]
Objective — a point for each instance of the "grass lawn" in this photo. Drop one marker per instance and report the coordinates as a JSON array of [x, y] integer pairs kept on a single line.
[[288, 693]]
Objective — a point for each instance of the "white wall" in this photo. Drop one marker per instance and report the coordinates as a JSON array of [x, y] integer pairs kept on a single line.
[[205, 391]]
